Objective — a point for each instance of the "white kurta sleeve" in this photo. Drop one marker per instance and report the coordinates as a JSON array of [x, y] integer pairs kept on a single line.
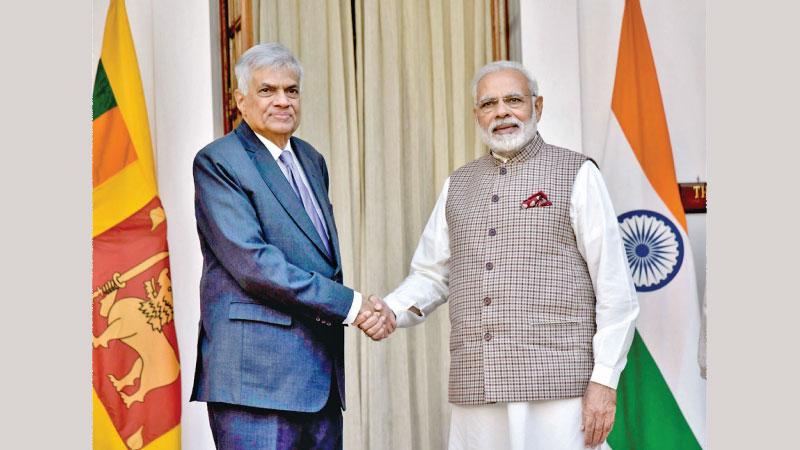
[[600, 242], [426, 286]]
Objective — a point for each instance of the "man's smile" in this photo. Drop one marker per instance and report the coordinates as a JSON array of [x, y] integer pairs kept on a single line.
[[508, 128], [282, 116]]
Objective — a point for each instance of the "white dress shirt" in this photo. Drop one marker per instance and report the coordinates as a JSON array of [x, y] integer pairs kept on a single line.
[[276, 151], [599, 242]]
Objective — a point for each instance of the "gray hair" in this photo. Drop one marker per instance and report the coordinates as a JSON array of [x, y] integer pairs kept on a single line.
[[260, 56], [496, 66]]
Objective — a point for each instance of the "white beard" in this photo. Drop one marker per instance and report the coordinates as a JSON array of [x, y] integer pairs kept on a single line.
[[508, 145]]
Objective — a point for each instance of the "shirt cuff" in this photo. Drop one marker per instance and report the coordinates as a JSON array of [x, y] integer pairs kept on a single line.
[[354, 308], [607, 376], [406, 318], [403, 314]]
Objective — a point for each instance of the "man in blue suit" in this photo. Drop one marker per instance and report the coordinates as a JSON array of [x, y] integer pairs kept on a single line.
[[270, 358]]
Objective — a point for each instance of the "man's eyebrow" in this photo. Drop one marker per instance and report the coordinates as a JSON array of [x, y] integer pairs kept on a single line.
[[510, 94], [272, 86]]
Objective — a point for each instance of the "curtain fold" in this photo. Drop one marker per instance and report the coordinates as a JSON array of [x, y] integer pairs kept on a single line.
[[393, 118], [417, 60]]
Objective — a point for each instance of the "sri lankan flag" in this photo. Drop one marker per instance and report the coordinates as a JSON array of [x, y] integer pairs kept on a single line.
[[661, 403], [135, 369]]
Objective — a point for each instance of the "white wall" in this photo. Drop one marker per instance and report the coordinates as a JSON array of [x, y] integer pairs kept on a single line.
[[555, 37], [550, 52], [175, 44]]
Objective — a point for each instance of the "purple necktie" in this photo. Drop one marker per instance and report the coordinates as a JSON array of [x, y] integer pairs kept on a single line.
[[305, 196]]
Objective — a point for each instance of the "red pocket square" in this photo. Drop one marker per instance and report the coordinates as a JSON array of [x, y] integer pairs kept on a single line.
[[537, 199]]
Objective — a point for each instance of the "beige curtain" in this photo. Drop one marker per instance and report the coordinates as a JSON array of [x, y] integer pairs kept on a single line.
[[393, 121], [415, 63]]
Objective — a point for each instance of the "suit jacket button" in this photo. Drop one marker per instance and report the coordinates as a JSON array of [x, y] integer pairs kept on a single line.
[[487, 337], [317, 319]]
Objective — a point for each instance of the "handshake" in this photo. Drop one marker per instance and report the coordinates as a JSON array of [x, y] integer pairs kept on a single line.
[[375, 318]]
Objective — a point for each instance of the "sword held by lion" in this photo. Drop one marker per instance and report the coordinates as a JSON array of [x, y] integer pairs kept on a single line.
[[139, 323]]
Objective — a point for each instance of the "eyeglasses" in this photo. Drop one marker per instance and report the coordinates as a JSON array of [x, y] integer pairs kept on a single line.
[[513, 101]]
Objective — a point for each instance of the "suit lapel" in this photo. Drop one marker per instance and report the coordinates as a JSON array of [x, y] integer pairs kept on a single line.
[[317, 187], [278, 184]]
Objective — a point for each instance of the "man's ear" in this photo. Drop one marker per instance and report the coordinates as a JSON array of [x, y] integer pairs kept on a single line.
[[537, 107], [239, 97]]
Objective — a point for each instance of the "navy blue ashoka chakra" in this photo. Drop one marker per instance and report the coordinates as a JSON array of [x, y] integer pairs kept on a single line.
[[654, 248]]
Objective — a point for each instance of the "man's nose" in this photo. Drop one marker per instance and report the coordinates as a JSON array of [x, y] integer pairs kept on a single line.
[[502, 111], [281, 99]]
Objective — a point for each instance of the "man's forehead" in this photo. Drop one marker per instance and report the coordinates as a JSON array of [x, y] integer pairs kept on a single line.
[[274, 76], [502, 82]]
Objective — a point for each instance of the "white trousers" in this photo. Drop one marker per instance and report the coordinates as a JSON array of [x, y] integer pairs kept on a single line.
[[535, 425]]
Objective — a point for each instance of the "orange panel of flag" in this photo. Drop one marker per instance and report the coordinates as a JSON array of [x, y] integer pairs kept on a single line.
[[637, 104]]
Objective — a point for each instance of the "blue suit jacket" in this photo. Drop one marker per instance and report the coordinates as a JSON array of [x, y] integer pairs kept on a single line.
[[271, 300]]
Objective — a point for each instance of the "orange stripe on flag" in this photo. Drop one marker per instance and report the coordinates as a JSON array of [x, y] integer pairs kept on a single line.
[[637, 104], [112, 149]]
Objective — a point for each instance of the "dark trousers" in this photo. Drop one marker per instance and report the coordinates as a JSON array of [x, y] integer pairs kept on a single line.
[[237, 427]]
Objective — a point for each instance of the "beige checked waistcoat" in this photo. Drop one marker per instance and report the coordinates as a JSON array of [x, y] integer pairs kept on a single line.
[[522, 306]]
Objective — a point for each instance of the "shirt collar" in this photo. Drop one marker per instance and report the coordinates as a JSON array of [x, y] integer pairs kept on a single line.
[[274, 150], [499, 157]]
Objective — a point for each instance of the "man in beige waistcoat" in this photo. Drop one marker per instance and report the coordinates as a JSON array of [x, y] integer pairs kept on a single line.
[[525, 245]]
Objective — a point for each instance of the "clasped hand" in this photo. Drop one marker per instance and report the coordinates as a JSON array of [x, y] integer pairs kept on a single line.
[[375, 318]]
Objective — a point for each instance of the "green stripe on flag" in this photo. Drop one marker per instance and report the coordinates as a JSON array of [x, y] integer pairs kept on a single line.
[[648, 417], [102, 97]]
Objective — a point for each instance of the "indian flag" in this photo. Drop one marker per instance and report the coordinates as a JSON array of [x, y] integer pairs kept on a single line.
[[661, 393], [136, 390]]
